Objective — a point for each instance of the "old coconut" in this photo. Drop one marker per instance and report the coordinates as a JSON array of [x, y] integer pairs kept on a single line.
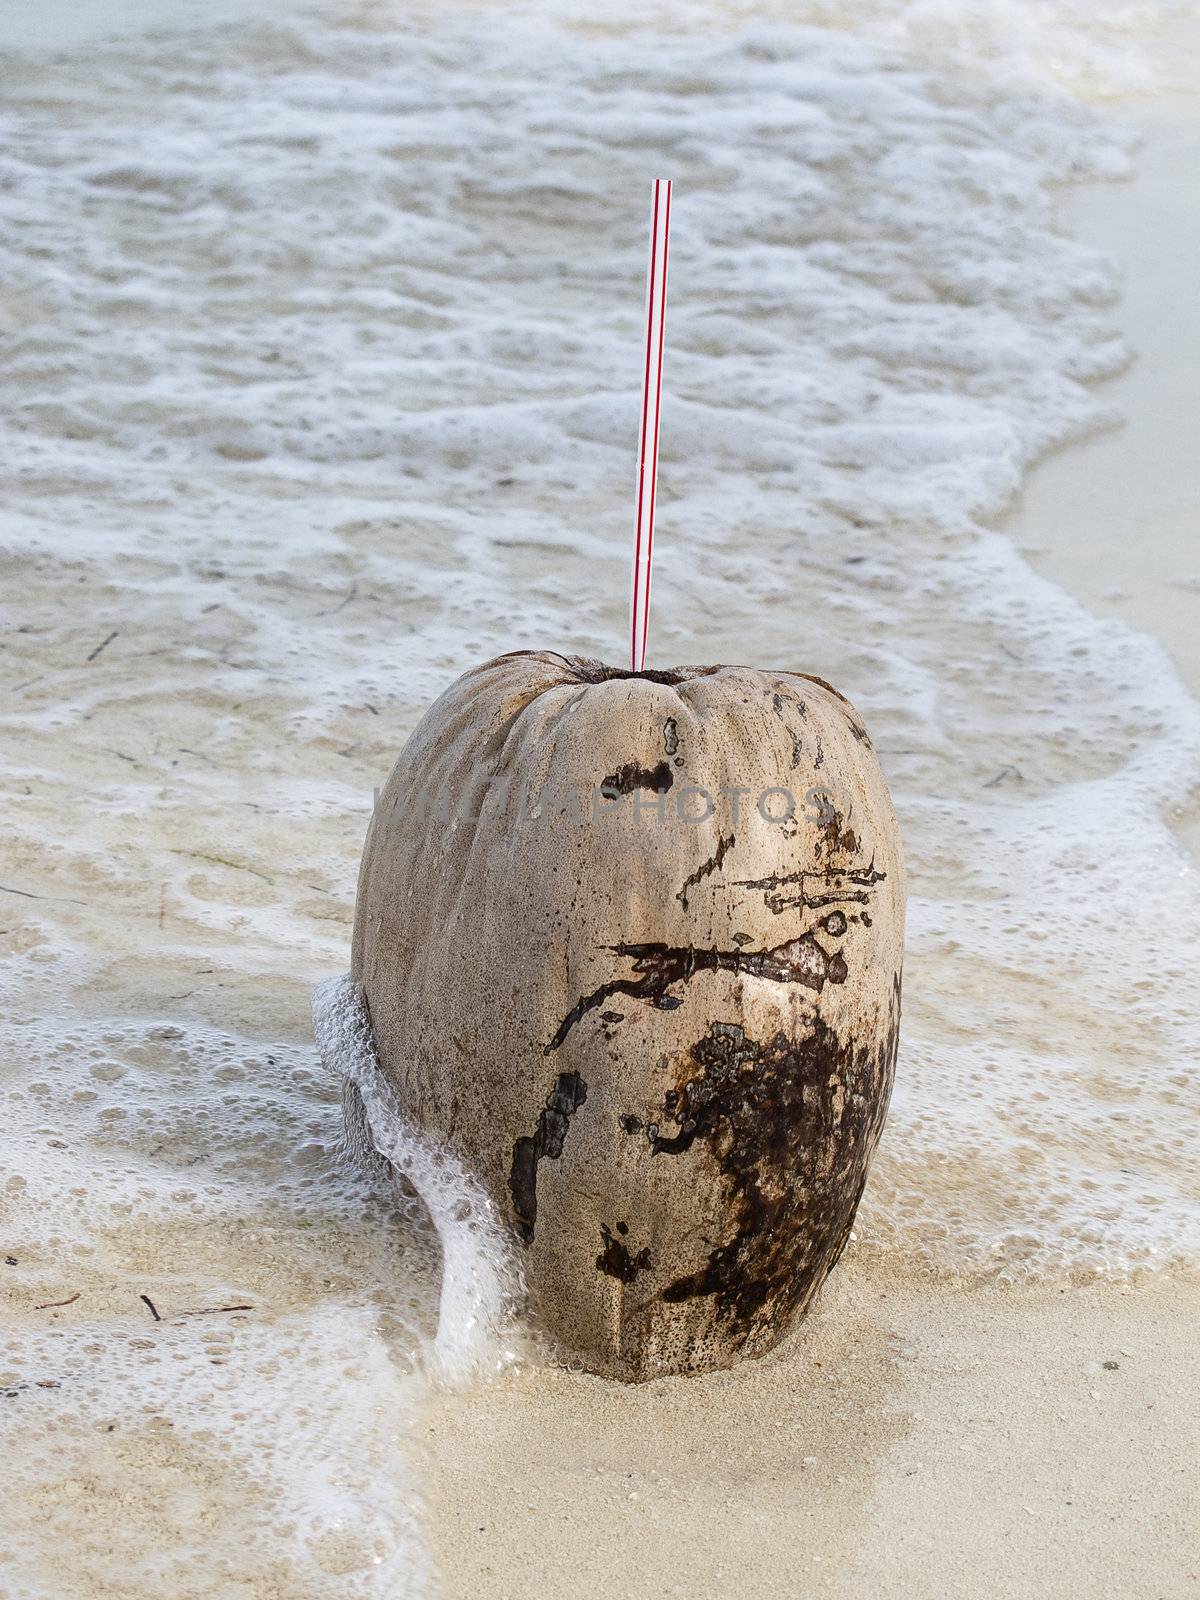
[[631, 947]]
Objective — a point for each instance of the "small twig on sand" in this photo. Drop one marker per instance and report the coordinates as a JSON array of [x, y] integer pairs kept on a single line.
[[52, 1305], [145, 1298], [211, 1311], [104, 644], [25, 895], [342, 604], [1005, 772], [223, 861]]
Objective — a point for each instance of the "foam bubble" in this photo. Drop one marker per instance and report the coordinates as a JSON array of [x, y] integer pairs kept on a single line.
[[215, 1331], [481, 1280]]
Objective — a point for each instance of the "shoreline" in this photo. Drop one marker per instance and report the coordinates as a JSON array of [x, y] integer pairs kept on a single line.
[[1138, 560]]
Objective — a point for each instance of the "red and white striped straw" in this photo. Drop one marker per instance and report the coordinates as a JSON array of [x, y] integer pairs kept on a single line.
[[647, 476]]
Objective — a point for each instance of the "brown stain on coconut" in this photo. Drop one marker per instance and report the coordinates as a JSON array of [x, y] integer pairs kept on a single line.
[[547, 1140], [706, 868], [669, 1076], [616, 1258], [773, 1113], [631, 776], [658, 969]]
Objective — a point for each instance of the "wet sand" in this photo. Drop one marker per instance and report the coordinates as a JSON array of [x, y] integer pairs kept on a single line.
[[1114, 520], [911, 1440]]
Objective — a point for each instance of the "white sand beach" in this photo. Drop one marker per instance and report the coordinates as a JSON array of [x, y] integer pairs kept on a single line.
[[319, 336]]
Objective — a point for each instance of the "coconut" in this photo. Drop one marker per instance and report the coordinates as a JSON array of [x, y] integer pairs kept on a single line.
[[631, 946]]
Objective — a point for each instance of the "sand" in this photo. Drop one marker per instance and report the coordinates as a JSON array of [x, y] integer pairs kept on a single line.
[[912, 1440], [1114, 520], [916, 1437]]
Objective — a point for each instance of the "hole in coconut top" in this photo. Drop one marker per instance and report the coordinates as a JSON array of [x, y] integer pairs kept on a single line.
[[588, 671]]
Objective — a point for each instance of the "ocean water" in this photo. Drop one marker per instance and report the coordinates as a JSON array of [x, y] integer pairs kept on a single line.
[[322, 335]]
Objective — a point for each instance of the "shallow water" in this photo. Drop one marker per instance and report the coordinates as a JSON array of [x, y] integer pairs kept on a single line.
[[323, 335]]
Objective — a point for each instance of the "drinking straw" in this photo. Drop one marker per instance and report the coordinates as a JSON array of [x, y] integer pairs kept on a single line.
[[647, 476]]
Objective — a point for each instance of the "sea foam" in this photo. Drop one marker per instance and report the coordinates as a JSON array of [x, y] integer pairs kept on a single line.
[[481, 1282]]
